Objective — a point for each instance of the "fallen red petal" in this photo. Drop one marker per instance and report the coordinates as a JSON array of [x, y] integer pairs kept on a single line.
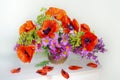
[[64, 74], [48, 68], [41, 72], [93, 65], [74, 67], [16, 70]]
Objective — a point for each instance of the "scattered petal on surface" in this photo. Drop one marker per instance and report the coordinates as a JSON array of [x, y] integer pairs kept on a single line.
[[42, 71], [48, 68], [74, 67], [16, 70], [93, 65], [65, 74]]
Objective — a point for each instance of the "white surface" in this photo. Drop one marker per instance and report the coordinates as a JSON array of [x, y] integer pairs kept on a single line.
[[28, 71], [102, 15]]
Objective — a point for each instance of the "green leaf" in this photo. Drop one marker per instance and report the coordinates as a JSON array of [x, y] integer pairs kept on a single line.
[[41, 18], [43, 9], [75, 40], [43, 63], [26, 38], [46, 52]]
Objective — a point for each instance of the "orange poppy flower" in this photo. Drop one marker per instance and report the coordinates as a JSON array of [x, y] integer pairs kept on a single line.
[[84, 27], [69, 25], [75, 25], [48, 28], [26, 27], [25, 53], [89, 40], [65, 22], [56, 12]]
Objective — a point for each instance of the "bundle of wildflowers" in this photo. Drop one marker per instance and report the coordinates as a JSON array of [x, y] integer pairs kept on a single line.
[[55, 33]]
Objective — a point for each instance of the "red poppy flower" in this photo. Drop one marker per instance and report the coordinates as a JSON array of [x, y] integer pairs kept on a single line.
[[25, 53], [26, 27], [84, 27], [56, 12], [49, 27], [89, 40], [66, 24], [75, 25], [69, 25]]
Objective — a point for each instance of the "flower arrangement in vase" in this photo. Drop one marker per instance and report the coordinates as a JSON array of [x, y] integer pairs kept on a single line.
[[56, 35]]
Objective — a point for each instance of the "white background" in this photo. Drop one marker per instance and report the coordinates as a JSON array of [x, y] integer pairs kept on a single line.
[[103, 16]]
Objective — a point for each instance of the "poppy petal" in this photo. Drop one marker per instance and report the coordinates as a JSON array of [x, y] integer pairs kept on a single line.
[[55, 12], [89, 40], [74, 67], [93, 65], [16, 70], [65, 21], [66, 30], [40, 34], [30, 50], [48, 28], [84, 27], [75, 25], [48, 68], [26, 27], [52, 35], [42, 72], [65, 74], [30, 25]]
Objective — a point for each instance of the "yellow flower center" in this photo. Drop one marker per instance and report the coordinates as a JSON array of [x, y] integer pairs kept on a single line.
[[46, 40], [65, 52], [67, 47]]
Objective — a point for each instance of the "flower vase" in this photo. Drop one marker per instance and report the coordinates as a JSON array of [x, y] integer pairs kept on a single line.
[[57, 61]]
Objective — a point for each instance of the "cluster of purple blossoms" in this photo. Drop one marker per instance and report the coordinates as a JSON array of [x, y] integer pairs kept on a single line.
[[100, 47], [58, 46]]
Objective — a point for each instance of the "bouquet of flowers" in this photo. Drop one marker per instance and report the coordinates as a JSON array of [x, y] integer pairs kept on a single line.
[[56, 35]]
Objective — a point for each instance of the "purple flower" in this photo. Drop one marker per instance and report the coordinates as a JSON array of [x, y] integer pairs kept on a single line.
[[66, 50], [86, 54], [38, 48], [60, 51], [45, 41], [93, 57], [56, 36], [65, 39], [100, 47], [80, 51], [53, 44], [33, 42], [55, 53], [15, 47]]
